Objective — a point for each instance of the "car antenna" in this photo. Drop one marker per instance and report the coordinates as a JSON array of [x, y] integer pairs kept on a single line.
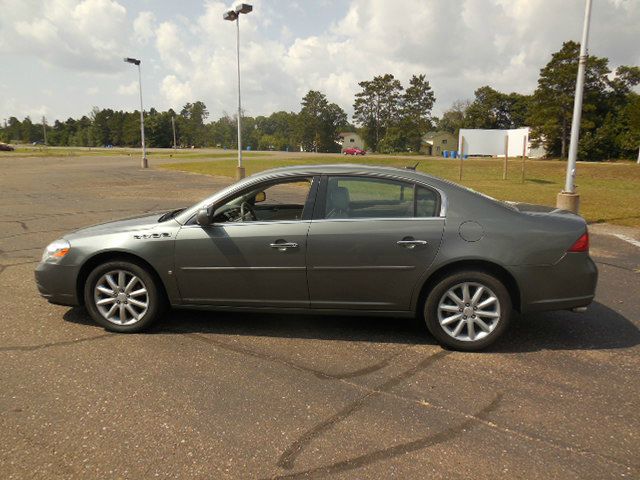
[[409, 167]]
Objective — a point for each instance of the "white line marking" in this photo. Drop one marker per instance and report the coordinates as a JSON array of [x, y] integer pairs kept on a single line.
[[628, 239]]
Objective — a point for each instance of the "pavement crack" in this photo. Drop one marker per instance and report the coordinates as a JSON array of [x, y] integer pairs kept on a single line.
[[34, 233], [396, 450], [31, 348], [4, 267], [289, 363], [19, 222], [289, 456], [616, 266]]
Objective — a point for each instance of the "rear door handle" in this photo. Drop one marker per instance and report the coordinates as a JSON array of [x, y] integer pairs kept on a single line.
[[283, 246], [411, 243]]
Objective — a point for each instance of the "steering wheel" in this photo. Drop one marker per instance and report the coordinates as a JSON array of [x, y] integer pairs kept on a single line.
[[247, 210]]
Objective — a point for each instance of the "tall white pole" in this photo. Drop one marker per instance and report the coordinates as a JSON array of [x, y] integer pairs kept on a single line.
[[240, 173], [144, 162], [569, 186], [568, 199]]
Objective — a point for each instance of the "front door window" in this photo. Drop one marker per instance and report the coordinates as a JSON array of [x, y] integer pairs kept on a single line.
[[273, 202]]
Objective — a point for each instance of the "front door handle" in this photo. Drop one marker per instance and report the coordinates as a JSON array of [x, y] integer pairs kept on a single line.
[[283, 246], [411, 243]]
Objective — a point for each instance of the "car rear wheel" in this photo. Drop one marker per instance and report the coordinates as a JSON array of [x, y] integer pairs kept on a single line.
[[467, 310], [123, 297]]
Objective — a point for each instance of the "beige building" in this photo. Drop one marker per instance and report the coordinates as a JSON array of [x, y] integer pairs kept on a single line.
[[436, 142], [351, 140]]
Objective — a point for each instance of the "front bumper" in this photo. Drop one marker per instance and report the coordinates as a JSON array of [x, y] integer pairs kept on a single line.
[[57, 283], [570, 283]]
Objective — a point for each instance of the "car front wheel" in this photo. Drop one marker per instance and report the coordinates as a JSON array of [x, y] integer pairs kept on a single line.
[[468, 310], [123, 297]]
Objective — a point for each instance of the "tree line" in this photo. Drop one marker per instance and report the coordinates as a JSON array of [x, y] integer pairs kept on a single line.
[[315, 127], [388, 116]]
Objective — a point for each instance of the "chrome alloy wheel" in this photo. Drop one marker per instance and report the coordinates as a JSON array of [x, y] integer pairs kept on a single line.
[[469, 311], [121, 297]]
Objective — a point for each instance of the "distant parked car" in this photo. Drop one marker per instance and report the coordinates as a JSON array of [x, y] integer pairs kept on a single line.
[[6, 148], [354, 151]]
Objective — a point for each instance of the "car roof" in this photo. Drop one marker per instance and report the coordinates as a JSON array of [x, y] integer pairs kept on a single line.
[[348, 169]]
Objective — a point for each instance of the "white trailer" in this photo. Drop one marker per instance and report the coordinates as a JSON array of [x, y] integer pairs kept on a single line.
[[492, 142]]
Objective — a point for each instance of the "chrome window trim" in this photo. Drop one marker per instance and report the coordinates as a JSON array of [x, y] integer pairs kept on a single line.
[[250, 182], [248, 224], [377, 219]]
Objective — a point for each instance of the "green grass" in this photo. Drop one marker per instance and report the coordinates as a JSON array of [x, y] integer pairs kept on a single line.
[[609, 191], [42, 151]]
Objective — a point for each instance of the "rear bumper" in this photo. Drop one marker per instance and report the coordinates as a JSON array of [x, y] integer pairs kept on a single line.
[[569, 283], [57, 283]]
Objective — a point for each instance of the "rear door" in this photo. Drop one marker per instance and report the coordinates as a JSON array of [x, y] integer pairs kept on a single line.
[[370, 242]]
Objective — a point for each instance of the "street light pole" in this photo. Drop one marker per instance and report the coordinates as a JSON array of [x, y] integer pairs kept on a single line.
[[241, 170], [568, 199], [144, 162], [234, 15]]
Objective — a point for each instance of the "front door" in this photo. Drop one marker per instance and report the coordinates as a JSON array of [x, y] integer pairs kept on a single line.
[[373, 243], [254, 252]]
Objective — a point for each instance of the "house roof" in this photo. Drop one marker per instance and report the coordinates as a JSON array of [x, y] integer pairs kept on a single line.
[[433, 133]]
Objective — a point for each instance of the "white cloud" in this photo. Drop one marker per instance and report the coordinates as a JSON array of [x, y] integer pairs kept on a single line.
[[129, 89], [84, 35], [189, 52], [143, 27], [176, 92]]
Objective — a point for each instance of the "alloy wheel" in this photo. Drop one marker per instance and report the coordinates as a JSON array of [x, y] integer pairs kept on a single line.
[[121, 297], [469, 311]]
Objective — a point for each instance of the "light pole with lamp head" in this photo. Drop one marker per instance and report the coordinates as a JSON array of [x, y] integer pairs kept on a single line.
[[234, 15], [144, 162]]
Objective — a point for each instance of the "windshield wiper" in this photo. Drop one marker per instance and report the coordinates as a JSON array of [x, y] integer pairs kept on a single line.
[[170, 215]]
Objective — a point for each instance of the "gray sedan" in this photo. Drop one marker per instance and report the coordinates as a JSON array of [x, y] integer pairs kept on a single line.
[[336, 239]]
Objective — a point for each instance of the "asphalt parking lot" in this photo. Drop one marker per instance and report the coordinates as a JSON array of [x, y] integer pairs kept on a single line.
[[218, 395]]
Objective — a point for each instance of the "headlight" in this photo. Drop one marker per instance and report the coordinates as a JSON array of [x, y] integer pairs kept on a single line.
[[55, 251]]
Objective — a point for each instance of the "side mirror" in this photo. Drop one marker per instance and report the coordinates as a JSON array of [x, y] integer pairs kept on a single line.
[[260, 197], [203, 218]]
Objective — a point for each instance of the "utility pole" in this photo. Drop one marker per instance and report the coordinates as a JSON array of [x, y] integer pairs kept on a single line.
[[44, 129], [568, 199], [505, 165], [173, 126]]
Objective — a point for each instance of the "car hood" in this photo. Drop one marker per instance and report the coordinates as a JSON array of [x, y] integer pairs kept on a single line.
[[146, 222]]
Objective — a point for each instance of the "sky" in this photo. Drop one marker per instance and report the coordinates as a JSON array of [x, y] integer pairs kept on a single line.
[[60, 58]]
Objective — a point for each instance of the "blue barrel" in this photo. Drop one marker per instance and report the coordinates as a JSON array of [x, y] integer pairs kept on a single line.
[[454, 154], [445, 153]]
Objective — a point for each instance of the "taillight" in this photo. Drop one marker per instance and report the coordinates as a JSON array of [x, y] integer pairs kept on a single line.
[[581, 245]]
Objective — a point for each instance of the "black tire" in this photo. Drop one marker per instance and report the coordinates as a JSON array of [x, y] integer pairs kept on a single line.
[[473, 277], [156, 300]]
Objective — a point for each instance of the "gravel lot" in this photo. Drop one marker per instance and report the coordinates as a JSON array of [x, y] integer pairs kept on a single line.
[[213, 395]]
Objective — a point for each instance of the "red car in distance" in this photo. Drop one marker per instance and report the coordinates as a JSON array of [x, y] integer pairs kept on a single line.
[[353, 151]]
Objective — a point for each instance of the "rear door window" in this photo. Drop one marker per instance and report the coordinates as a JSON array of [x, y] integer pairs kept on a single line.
[[363, 197]]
